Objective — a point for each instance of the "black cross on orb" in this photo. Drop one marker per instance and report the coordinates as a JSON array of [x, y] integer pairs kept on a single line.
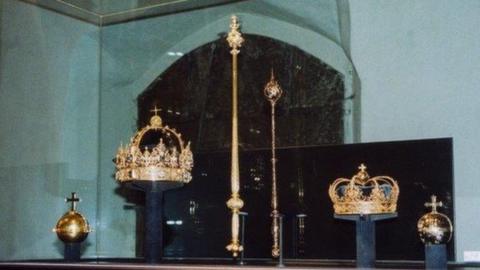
[[74, 199], [434, 204]]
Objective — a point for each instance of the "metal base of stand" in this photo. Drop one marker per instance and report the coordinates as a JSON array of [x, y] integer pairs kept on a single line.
[[72, 252], [365, 234], [153, 247], [436, 257], [280, 232]]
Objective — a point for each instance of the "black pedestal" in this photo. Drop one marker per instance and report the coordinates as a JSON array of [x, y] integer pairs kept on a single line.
[[280, 262], [153, 247], [243, 217], [72, 252], [436, 257], [365, 234]]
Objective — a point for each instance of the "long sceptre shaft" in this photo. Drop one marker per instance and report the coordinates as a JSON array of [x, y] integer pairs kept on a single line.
[[235, 203], [273, 92]]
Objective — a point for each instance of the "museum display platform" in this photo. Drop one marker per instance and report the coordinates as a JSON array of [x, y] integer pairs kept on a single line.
[[249, 133], [207, 263]]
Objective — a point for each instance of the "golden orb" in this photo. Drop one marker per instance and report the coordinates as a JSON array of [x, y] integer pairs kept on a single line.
[[156, 121], [434, 228], [72, 227]]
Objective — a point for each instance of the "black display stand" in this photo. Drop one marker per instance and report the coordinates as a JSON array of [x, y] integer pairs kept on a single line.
[[280, 262], [153, 247], [436, 256], [243, 217], [72, 252], [365, 231]]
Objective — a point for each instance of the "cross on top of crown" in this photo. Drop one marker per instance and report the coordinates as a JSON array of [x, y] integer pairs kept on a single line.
[[156, 110], [362, 167], [434, 204], [73, 199]]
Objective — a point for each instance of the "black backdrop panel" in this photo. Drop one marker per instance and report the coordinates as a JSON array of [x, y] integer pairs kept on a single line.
[[198, 223]]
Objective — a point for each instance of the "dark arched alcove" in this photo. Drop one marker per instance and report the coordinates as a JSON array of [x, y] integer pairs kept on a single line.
[[195, 96]]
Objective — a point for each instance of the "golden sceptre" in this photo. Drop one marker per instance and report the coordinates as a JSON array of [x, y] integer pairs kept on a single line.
[[235, 203], [273, 92]]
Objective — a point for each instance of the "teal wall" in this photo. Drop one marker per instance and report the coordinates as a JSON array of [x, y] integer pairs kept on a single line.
[[418, 62], [49, 79]]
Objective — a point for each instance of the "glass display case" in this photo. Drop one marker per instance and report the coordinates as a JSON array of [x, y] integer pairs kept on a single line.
[[78, 78]]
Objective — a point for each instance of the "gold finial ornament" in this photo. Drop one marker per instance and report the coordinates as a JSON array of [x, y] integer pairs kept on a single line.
[[273, 92], [234, 37], [364, 195], [434, 227], [169, 160], [72, 227], [235, 203]]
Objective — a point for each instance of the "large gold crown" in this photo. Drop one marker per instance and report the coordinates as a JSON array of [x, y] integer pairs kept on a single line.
[[364, 195], [169, 160]]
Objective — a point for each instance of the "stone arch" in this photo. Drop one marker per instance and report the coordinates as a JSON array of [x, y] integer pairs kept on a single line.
[[307, 40]]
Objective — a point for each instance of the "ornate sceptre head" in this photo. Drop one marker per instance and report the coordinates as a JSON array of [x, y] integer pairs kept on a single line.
[[273, 92], [235, 203]]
